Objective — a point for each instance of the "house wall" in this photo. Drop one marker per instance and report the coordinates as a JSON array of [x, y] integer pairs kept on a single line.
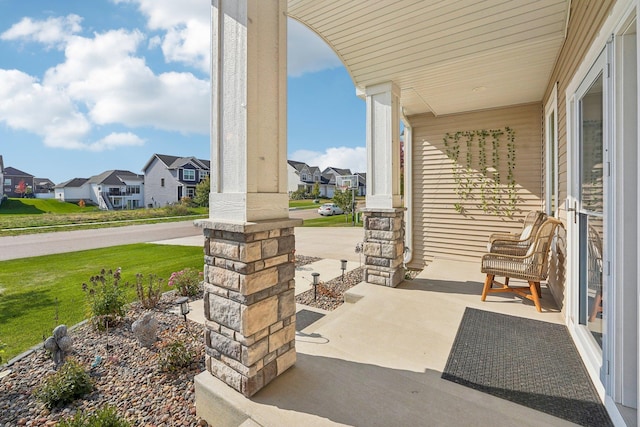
[[292, 179], [154, 194], [73, 194], [439, 230], [585, 21]]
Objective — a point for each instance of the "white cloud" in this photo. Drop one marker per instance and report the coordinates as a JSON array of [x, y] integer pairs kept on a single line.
[[51, 32], [339, 157], [307, 52], [187, 29], [116, 140]]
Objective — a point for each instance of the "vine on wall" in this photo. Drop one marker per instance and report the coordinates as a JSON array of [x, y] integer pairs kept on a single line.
[[476, 181]]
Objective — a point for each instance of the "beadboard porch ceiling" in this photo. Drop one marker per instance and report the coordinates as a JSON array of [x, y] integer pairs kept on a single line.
[[447, 56]]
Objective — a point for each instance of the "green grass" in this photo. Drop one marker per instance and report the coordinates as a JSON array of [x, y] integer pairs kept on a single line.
[[41, 206], [306, 203], [331, 221], [18, 217], [33, 291]]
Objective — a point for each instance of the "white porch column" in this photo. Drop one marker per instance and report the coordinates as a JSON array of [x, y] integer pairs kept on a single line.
[[249, 301], [384, 214], [249, 110], [383, 146]]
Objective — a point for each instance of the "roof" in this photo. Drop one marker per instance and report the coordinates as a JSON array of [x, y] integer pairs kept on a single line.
[[13, 171], [114, 177], [72, 183], [176, 162], [297, 165], [445, 57]]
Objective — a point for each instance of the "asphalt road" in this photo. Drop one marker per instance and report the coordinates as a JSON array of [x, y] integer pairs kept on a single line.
[[30, 245]]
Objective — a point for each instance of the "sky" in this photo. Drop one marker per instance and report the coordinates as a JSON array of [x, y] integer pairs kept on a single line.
[[90, 86]]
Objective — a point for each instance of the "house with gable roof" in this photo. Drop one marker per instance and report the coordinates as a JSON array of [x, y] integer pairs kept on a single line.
[[170, 178], [110, 190]]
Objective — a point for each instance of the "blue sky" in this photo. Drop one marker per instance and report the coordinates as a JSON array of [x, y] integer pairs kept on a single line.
[[89, 86]]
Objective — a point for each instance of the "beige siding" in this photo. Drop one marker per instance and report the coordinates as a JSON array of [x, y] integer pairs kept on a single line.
[[439, 230], [585, 21]]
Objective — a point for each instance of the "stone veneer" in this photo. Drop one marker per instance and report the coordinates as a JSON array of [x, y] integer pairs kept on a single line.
[[249, 301], [384, 246]]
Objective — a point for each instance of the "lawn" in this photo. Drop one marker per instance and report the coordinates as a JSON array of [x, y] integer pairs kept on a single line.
[[26, 216], [41, 206], [37, 294], [331, 221], [306, 203]]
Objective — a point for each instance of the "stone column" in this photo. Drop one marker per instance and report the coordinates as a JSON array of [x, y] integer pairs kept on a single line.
[[249, 302], [249, 241], [383, 215], [384, 246]]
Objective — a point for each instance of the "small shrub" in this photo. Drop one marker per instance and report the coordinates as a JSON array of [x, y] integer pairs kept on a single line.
[[105, 298], [104, 417], [186, 282], [149, 296], [174, 356], [2, 347], [64, 386], [82, 203]]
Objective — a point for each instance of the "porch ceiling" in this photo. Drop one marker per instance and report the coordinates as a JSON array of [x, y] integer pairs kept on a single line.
[[447, 56]]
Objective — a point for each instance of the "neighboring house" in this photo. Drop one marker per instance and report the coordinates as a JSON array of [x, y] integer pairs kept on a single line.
[[302, 176], [329, 175], [533, 106], [43, 188], [110, 190], [73, 190], [12, 179], [170, 178]]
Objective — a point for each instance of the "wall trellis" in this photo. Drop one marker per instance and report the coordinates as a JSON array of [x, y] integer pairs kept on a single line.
[[476, 181]]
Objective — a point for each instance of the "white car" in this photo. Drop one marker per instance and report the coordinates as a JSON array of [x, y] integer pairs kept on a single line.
[[329, 209]]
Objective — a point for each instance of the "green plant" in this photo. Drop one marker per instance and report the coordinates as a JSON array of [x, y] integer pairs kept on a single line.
[[2, 347], [104, 417], [201, 197], [174, 356], [149, 296], [105, 298], [64, 386], [186, 282], [176, 209]]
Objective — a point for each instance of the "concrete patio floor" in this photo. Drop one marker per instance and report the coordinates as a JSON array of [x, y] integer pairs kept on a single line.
[[379, 361]]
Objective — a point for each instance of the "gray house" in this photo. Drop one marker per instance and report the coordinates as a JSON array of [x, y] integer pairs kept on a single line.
[[170, 178]]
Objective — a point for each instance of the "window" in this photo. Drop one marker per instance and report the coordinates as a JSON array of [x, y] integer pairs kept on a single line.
[[133, 189], [191, 192], [189, 175], [203, 174], [161, 182], [304, 177], [551, 149], [7, 181]]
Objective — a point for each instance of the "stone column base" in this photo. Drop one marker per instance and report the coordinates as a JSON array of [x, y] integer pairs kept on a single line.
[[384, 246], [249, 301]]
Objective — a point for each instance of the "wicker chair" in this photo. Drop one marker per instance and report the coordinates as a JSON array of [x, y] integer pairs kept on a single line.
[[532, 266], [517, 244]]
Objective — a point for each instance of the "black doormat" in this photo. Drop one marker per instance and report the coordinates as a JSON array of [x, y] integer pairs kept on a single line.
[[528, 362]]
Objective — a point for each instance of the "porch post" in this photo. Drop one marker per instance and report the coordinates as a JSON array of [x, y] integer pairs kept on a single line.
[[383, 215], [249, 242]]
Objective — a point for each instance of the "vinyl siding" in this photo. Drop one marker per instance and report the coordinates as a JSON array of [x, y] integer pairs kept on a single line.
[[439, 230], [585, 21]]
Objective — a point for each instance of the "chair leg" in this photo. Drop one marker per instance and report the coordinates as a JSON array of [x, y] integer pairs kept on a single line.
[[539, 289], [533, 286], [488, 282]]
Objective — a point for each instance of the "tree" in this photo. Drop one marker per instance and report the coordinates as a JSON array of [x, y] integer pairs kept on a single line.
[[315, 193], [343, 200], [201, 198], [22, 188]]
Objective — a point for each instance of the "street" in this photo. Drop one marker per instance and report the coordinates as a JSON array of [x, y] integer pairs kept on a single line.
[[29, 245]]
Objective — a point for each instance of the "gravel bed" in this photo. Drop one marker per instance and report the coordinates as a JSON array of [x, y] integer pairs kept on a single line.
[[304, 260], [128, 377], [330, 294]]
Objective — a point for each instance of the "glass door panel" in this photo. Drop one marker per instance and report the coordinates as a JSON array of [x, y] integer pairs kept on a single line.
[[591, 204]]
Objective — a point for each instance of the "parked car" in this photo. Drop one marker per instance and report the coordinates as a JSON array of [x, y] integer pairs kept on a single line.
[[330, 209]]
